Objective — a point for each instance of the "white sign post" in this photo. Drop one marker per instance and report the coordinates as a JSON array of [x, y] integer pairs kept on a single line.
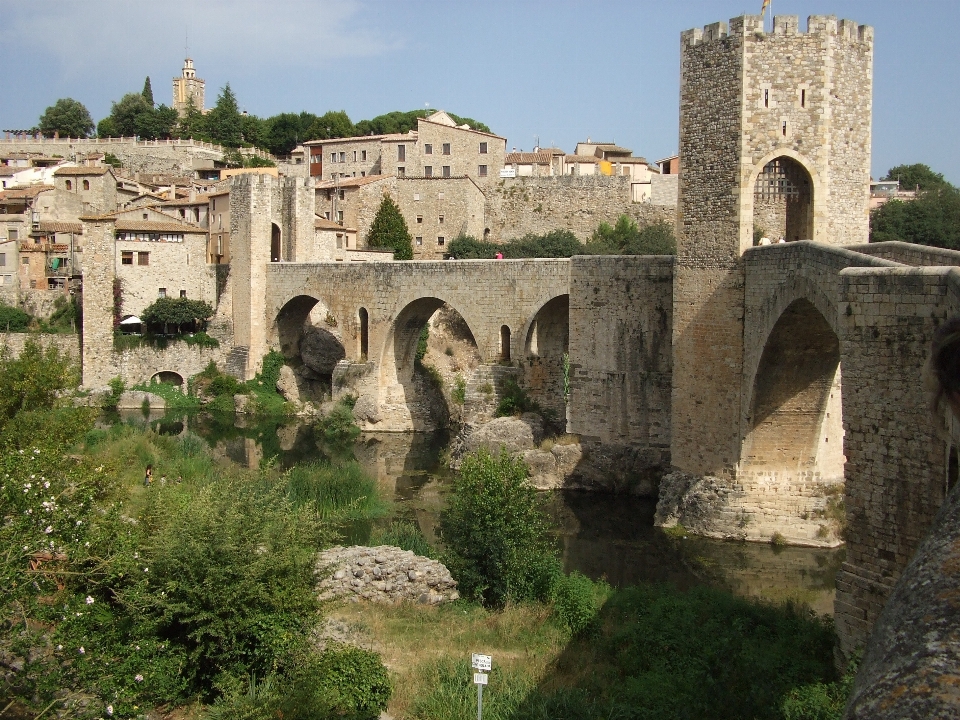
[[483, 663]]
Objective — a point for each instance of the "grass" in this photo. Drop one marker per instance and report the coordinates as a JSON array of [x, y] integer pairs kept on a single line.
[[427, 648]]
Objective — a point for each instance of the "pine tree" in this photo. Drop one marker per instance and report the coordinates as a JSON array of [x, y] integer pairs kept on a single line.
[[147, 91], [224, 120], [389, 231]]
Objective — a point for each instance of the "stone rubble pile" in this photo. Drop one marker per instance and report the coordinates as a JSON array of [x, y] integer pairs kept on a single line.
[[384, 574]]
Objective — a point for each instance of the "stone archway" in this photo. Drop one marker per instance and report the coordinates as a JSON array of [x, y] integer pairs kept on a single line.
[[411, 398], [791, 463], [308, 336], [783, 198], [546, 346], [169, 377]]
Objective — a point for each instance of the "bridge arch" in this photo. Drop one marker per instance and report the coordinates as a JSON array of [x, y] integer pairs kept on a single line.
[[546, 345], [404, 392], [794, 424], [306, 330], [782, 196]]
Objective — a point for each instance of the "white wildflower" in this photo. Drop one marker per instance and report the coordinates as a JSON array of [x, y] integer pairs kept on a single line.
[[49, 529], [138, 677], [90, 600], [82, 651]]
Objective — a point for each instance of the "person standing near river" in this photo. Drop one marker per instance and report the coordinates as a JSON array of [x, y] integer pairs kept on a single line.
[[148, 476]]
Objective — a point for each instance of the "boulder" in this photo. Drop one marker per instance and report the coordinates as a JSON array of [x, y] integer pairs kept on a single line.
[[543, 469], [366, 410], [514, 434], [287, 385], [241, 403], [133, 400], [321, 350]]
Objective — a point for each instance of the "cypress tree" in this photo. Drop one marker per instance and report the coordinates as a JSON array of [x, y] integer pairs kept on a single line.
[[389, 230], [147, 91]]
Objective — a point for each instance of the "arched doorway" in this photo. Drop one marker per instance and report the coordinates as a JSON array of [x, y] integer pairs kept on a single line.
[[545, 348], [783, 201], [275, 249], [429, 346], [793, 449], [169, 377], [504, 343], [364, 318]]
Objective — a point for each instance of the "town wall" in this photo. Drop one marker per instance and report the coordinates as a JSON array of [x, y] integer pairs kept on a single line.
[[146, 156], [664, 189], [12, 343], [538, 205]]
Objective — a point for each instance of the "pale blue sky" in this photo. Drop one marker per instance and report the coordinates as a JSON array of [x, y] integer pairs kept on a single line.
[[560, 70]]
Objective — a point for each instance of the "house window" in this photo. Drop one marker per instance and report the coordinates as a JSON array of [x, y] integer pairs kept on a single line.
[[69, 185], [441, 219], [401, 153], [446, 171], [416, 197], [343, 194], [183, 293], [419, 240], [440, 196], [482, 171], [13, 233], [86, 184], [441, 241], [3, 259], [339, 241], [161, 292], [428, 149], [145, 216], [327, 214], [26, 261], [483, 148], [446, 148], [333, 157], [343, 156], [363, 154], [126, 258], [419, 218], [340, 216], [428, 171], [354, 155], [401, 171], [363, 173], [143, 258]]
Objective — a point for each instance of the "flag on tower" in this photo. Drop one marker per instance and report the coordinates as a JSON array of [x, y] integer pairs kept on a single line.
[[763, 10]]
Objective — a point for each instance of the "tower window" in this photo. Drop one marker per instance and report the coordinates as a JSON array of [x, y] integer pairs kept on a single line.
[[783, 128], [766, 98], [803, 97]]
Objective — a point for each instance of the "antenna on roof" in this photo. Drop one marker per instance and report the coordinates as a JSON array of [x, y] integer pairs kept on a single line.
[[186, 42]]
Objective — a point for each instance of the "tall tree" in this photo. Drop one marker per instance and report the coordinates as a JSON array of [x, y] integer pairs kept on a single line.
[[224, 120], [332, 124], [147, 91], [126, 114], [193, 123], [389, 231], [917, 176], [68, 117]]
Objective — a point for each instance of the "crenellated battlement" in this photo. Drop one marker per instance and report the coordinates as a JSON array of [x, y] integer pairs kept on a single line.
[[783, 26]]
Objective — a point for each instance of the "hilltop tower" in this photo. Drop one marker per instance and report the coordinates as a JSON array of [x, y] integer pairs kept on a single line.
[[774, 137], [188, 87]]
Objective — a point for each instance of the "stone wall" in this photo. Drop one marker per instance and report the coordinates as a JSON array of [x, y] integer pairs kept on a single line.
[[664, 190], [176, 267], [910, 254], [67, 344], [147, 156], [578, 203], [437, 208], [620, 353], [896, 446]]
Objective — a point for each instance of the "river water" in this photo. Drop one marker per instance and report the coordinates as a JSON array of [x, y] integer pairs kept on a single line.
[[602, 536]]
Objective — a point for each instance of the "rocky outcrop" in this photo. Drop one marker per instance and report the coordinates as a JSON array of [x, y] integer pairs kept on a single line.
[[135, 399], [287, 385], [552, 470], [321, 350], [513, 434], [698, 503], [384, 574]]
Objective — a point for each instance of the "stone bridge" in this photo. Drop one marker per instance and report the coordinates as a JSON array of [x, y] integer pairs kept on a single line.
[[377, 311]]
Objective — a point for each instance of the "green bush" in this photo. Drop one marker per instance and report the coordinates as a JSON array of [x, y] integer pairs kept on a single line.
[[516, 401], [576, 600], [167, 311], [13, 319], [422, 342], [625, 238], [338, 429], [821, 701], [201, 339], [459, 391], [33, 379], [352, 682], [496, 532]]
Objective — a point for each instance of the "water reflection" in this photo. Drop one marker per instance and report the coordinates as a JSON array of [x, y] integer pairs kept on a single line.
[[602, 536]]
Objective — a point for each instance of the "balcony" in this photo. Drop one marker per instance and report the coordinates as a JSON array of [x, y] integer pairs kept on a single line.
[[44, 247]]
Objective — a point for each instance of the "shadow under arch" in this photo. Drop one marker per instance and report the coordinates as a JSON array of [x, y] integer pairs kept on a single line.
[[304, 329], [404, 391], [546, 343], [781, 195], [167, 376], [795, 423]]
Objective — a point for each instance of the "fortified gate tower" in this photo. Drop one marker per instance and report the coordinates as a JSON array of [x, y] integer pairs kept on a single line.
[[774, 140]]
